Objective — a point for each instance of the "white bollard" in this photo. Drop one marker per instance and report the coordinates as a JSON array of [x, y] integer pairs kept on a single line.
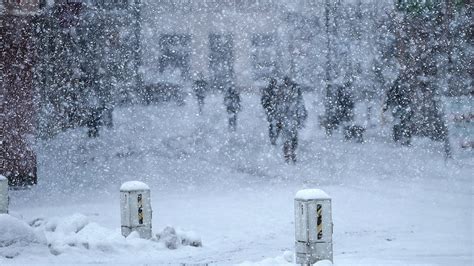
[[4, 200], [135, 205], [313, 226]]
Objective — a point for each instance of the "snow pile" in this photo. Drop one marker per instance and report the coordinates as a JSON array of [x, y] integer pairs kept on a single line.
[[280, 260], [286, 259], [16, 236], [74, 232], [75, 235], [64, 225], [174, 238], [324, 263]]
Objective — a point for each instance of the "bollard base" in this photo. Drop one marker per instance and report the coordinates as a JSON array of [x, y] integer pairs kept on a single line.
[[143, 231], [310, 253]]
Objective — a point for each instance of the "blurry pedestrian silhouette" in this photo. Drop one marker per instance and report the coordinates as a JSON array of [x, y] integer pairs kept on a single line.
[[269, 102], [94, 122], [95, 107], [293, 114], [417, 112], [199, 88], [232, 103], [399, 100], [432, 123], [341, 110]]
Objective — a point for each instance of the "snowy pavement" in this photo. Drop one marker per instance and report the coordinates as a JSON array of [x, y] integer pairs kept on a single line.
[[391, 205]]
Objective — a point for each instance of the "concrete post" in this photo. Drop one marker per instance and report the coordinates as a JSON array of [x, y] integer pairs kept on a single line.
[[135, 208], [4, 200], [313, 226]]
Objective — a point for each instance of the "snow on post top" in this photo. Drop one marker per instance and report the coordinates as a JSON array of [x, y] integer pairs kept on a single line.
[[2, 177], [133, 186], [310, 194]]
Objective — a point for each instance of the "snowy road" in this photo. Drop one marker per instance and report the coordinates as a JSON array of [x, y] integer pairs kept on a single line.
[[392, 205]]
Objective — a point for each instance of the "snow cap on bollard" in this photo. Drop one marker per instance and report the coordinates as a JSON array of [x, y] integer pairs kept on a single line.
[[4, 200], [313, 226], [135, 209]]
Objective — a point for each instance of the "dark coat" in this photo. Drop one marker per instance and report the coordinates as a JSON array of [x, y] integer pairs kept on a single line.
[[291, 109], [232, 100], [399, 99], [269, 100], [200, 87]]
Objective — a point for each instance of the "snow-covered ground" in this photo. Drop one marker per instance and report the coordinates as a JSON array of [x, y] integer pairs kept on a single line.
[[391, 205]]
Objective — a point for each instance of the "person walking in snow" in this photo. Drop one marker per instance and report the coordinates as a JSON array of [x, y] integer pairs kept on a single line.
[[199, 88], [269, 102], [399, 99], [341, 108], [232, 103], [293, 114], [95, 110], [344, 104]]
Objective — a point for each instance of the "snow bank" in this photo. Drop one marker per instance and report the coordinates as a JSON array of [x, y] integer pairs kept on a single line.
[[67, 225], [133, 186], [309, 194], [286, 259], [17, 237], [2, 178], [75, 235], [323, 263], [174, 238]]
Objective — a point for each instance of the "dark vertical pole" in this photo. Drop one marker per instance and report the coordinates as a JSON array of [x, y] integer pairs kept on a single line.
[[448, 17], [137, 47], [328, 98], [328, 47]]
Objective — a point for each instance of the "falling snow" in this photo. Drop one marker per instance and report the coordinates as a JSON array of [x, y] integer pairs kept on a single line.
[[227, 109]]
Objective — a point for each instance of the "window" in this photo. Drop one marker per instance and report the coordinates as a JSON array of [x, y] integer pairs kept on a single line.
[[221, 58], [263, 56], [175, 54]]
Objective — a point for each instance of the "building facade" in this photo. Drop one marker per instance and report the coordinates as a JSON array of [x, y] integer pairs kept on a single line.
[[244, 41]]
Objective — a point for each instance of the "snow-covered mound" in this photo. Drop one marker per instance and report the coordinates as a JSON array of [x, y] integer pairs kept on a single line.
[[286, 259], [16, 237], [73, 235], [173, 238]]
